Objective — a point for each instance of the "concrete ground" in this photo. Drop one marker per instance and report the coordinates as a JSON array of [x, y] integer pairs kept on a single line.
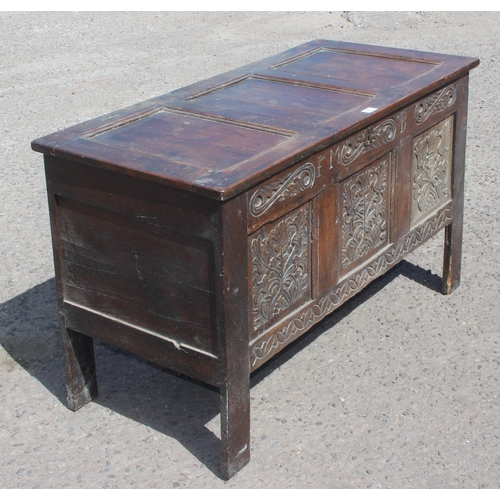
[[398, 389]]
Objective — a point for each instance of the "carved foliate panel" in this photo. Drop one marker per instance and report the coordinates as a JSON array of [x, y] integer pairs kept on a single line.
[[432, 156], [266, 346], [365, 198], [281, 267]]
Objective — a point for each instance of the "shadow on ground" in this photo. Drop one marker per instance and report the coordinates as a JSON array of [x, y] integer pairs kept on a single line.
[[153, 396]]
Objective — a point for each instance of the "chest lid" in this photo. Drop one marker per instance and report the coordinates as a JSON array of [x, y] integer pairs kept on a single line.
[[223, 135]]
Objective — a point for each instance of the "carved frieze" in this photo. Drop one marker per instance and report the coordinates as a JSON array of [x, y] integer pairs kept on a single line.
[[281, 264], [264, 198], [435, 103], [364, 212], [370, 138], [431, 169], [347, 288]]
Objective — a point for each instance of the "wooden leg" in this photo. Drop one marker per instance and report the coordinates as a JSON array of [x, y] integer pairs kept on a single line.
[[78, 349], [235, 427], [452, 261], [232, 325], [81, 381]]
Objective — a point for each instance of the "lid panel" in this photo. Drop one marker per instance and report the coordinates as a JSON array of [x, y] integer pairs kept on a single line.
[[373, 71], [274, 98], [188, 139]]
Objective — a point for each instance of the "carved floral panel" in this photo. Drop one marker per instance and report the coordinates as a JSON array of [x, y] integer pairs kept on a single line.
[[267, 345], [364, 212], [281, 267], [431, 170]]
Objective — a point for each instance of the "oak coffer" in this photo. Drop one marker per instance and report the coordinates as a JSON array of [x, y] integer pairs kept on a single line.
[[210, 227]]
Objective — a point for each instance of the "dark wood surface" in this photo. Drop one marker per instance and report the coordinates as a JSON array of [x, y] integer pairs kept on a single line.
[[220, 136], [209, 228]]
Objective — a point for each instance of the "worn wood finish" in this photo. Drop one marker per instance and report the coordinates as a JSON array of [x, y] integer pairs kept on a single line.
[[78, 349], [452, 261], [209, 228], [232, 326]]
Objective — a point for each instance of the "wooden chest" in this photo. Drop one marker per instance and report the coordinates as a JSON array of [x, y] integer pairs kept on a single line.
[[208, 228]]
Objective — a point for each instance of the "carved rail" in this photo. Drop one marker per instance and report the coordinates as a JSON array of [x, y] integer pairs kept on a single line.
[[370, 138], [264, 198], [434, 103]]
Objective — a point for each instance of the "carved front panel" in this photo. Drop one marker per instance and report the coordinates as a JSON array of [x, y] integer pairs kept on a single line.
[[366, 140], [281, 267], [365, 198], [291, 328], [286, 187], [432, 156], [435, 103]]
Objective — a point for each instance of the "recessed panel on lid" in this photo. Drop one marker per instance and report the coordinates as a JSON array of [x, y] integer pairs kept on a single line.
[[286, 101], [361, 70], [191, 140]]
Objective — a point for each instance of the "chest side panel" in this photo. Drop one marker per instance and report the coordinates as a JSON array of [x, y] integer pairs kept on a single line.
[[136, 254]]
